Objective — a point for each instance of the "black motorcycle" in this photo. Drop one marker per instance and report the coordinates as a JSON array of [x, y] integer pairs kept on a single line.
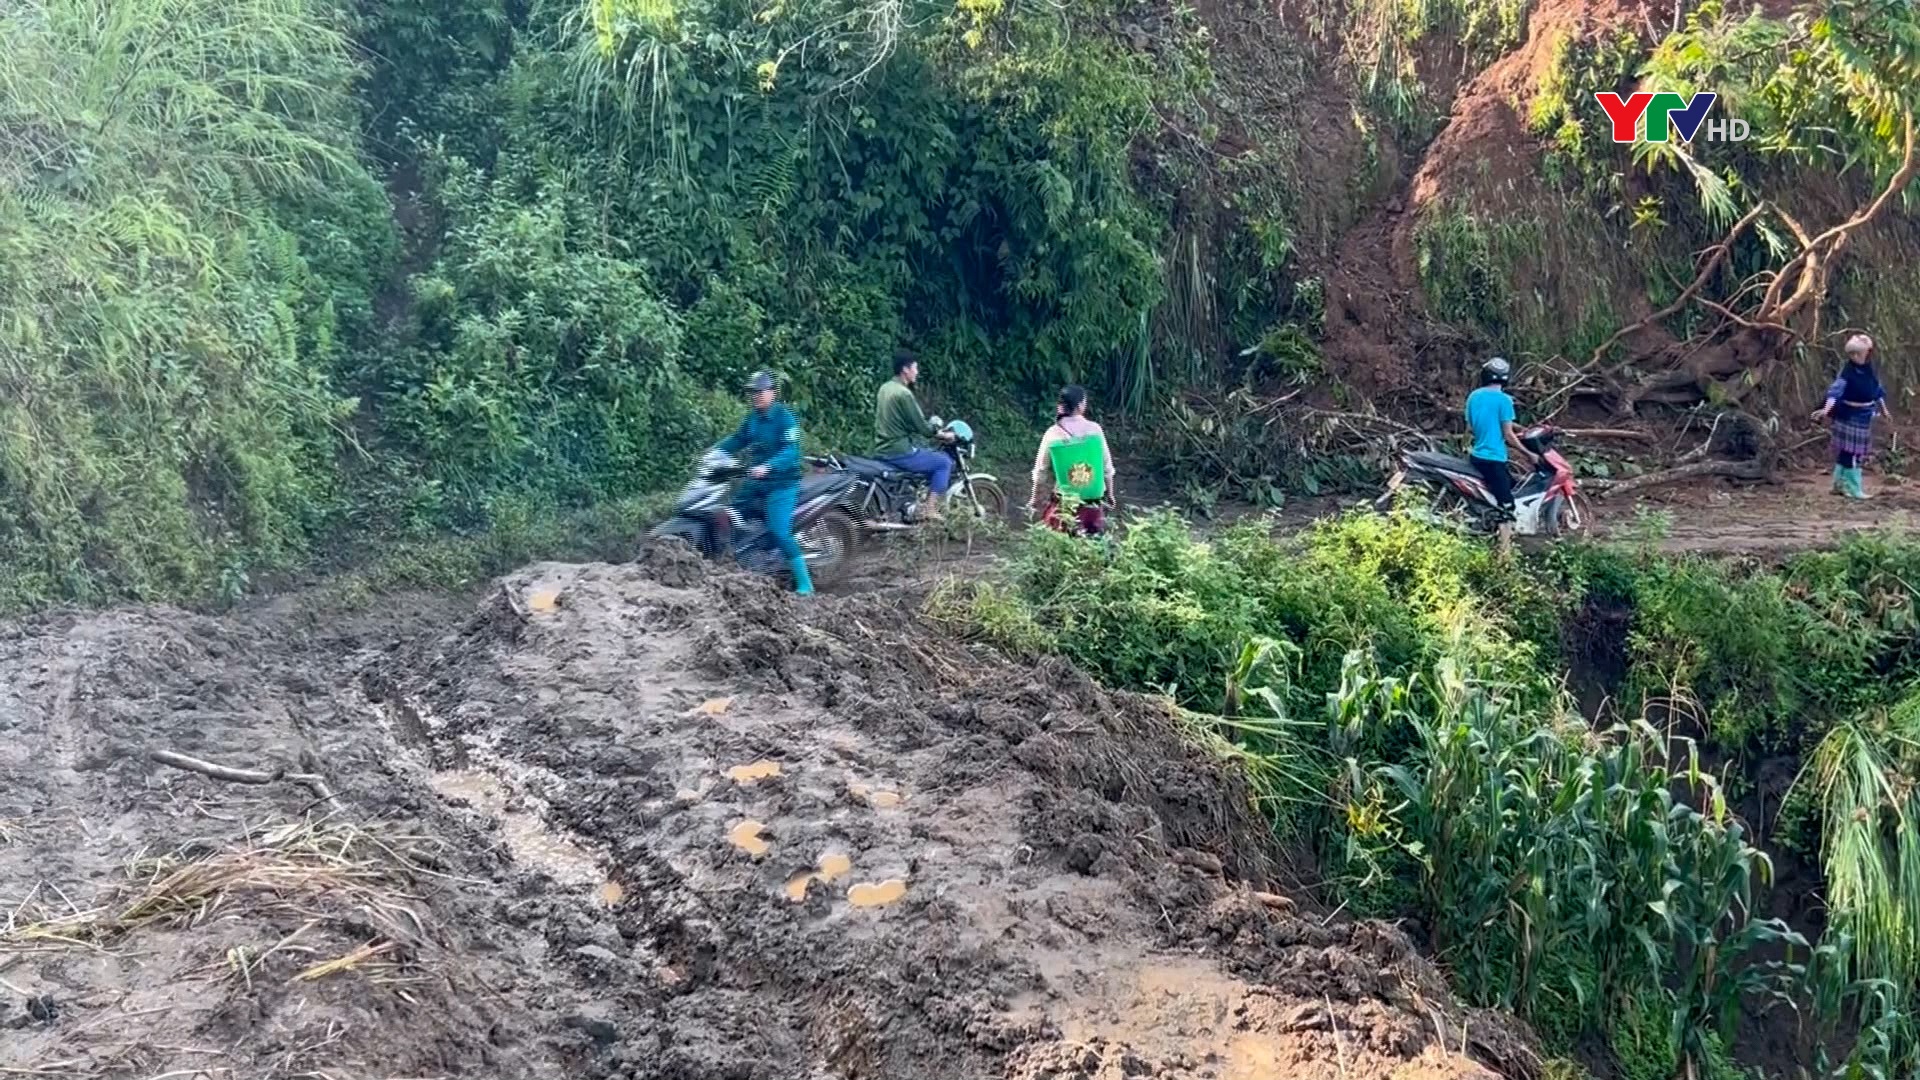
[[885, 499], [704, 519]]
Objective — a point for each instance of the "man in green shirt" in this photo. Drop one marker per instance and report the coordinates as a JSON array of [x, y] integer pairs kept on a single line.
[[901, 432]]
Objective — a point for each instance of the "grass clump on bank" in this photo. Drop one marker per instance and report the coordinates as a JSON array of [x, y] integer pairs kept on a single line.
[[1405, 703]]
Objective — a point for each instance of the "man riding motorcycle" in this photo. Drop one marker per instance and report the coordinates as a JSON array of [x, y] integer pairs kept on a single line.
[[901, 431], [770, 437]]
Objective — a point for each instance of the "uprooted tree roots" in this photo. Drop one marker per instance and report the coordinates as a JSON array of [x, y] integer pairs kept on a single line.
[[1757, 325]]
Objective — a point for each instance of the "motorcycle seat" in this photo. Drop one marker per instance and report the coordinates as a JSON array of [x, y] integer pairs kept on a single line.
[[1443, 462], [870, 469], [822, 483]]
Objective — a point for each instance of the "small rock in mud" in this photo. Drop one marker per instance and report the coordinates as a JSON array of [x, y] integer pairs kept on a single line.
[[43, 1008], [1084, 852], [597, 952], [600, 1031]]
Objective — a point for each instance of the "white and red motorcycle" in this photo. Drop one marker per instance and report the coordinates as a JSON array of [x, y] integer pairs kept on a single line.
[[1547, 503]]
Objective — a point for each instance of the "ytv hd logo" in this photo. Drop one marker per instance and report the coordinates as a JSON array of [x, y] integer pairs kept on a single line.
[[1665, 110]]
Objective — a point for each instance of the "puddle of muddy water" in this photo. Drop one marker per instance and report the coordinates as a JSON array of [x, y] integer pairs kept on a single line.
[[528, 838], [833, 866], [877, 894], [878, 799], [746, 775], [746, 836], [797, 886]]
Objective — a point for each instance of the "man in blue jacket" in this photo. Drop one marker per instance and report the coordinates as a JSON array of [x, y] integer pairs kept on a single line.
[[770, 438]]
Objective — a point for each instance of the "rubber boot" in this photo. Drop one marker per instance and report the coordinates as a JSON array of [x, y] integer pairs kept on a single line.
[[1856, 485], [1839, 480], [802, 581]]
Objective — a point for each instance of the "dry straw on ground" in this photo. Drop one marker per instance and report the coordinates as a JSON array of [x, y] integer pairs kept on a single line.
[[323, 872]]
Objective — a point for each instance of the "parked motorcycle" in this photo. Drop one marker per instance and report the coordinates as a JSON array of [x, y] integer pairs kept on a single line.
[[885, 499], [1547, 503], [704, 519]]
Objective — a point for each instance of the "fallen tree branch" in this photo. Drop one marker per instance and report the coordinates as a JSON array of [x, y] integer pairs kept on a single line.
[[1606, 433], [1739, 470], [1700, 451], [310, 781], [1808, 264], [1715, 255], [1742, 321]]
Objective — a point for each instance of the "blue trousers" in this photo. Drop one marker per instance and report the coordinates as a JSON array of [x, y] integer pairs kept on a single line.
[[772, 501], [932, 464]]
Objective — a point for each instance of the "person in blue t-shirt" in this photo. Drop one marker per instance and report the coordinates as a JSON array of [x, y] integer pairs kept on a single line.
[[1490, 417]]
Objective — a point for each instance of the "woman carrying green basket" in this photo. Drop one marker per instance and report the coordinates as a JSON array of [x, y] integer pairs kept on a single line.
[[1073, 468]]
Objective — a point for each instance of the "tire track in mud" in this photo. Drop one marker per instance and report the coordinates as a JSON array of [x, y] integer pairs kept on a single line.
[[841, 851], [69, 662]]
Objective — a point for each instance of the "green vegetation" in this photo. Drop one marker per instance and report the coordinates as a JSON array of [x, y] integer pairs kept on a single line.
[[1590, 875], [226, 346], [1826, 91], [166, 327], [1387, 40], [429, 287]]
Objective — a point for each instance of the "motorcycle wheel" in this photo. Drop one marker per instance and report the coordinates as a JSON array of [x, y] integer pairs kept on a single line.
[[834, 538], [680, 532], [989, 503], [1569, 518]]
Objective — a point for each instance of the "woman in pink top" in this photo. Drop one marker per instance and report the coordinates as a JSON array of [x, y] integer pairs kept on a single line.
[[1070, 422]]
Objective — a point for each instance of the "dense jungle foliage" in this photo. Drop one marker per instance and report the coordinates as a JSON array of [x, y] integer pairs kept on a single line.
[[284, 270], [287, 278], [1541, 760]]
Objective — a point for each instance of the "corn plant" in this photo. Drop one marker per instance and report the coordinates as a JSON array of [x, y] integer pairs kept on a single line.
[[1706, 915], [1557, 867], [1883, 1044], [1861, 775]]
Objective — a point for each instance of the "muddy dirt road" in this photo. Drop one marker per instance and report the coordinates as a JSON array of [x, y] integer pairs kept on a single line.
[[635, 821], [595, 827], [1796, 514]]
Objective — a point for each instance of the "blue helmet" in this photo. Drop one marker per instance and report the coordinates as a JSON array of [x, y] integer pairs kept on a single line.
[[962, 432]]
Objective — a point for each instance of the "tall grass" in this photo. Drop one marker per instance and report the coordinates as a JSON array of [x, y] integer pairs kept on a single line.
[[163, 344]]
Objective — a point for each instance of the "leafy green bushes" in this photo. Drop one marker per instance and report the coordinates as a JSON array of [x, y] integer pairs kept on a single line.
[[1771, 657], [1172, 612], [539, 362], [226, 339], [1395, 693], [165, 345]]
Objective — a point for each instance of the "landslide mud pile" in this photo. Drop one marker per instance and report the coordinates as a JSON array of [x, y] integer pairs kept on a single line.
[[625, 821]]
